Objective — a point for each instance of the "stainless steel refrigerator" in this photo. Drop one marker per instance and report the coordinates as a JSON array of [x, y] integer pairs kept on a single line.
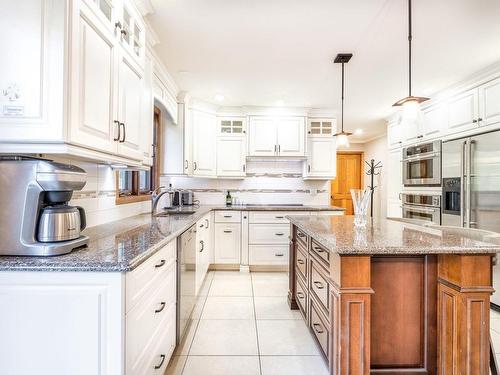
[[471, 186]]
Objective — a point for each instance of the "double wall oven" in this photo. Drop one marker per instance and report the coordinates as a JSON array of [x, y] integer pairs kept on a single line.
[[422, 207], [422, 164]]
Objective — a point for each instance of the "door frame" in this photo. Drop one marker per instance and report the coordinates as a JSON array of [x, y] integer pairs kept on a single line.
[[362, 168]]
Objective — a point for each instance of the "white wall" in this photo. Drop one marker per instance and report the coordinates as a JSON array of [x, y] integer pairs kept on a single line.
[[99, 194]]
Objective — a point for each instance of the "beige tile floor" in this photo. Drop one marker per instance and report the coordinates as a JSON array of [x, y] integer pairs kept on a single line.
[[495, 333], [242, 326]]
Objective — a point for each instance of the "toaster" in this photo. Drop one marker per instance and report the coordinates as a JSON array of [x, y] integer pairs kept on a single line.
[[187, 198]]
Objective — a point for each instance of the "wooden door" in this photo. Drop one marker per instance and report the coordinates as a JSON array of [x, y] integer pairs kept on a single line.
[[349, 169]]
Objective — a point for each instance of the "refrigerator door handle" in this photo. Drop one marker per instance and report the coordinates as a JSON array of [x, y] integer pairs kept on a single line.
[[462, 184], [468, 181]]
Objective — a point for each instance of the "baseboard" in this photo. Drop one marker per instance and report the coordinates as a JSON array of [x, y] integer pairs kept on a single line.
[[268, 268], [224, 267]]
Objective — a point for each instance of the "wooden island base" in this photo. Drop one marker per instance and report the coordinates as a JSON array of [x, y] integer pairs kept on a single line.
[[400, 314]]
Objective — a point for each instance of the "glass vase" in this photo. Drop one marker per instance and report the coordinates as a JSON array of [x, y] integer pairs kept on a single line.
[[360, 200]]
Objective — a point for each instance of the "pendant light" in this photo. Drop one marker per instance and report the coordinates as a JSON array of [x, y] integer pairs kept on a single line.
[[411, 103], [342, 140]]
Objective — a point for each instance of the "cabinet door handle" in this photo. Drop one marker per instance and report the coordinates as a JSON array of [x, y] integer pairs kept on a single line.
[[206, 223], [161, 264], [117, 138], [301, 235], [319, 249], [278, 254], [300, 295], [228, 231], [309, 168], [228, 216], [123, 32], [474, 121], [118, 25], [186, 165], [162, 306], [279, 217], [244, 168], [318, 331], [162, 356], [300, 261], [124, 134], [479, 119], [318, 284], [195, 166], [279, 149], [279, 234], [275, 149], [202, 243]]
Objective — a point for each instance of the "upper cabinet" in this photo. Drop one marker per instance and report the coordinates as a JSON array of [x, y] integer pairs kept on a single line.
[[231, 126], [231, 147], [204, 126], [276, 136], [317, 127], [321, 160], [463, 111], [433, 121], [489, 103], [395, 133]]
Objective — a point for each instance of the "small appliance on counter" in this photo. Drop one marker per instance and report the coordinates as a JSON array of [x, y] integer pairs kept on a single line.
[[36, 219]]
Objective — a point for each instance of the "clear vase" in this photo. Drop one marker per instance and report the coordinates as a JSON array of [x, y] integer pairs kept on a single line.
[[360, 200]]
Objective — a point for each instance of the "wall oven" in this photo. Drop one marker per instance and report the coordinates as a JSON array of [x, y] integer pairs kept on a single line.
[[422, 164], [422, 207]]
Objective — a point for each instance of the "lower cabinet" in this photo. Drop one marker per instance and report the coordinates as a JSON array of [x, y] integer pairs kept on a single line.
[[204, 248], [227, 243]]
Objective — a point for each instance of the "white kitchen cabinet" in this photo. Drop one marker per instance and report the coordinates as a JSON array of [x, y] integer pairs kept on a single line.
[[394, 183], [321, 127], [130, 86], [290, 136], [227, 243], [321, 158], [231, 126], [231, 157], [131, 30], [395, 134], [276, 136], [262, 137], [204, 144], [489, 103], [463, 111], [147, 108], [433, 121], [204, 248]]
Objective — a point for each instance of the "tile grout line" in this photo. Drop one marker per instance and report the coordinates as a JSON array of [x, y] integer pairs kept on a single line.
[[199, 320], [255, 321]]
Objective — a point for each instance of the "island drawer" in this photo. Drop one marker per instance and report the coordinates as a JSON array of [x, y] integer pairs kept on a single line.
[[320, 287], [301, 297], [268, 234], [301, 263], [321, 252], [227, 216], [301, 237], [320, 329]]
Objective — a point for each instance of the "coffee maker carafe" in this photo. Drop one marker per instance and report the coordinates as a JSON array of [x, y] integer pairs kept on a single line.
[[36, 218]]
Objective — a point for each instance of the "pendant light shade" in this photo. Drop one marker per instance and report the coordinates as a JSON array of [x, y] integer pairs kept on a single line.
[[342, 140], [410, 103]]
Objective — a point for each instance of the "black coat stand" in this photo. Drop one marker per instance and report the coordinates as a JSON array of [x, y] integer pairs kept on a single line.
[[372, 172]]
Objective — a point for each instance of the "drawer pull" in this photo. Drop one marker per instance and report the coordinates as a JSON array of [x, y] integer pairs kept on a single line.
[[280, 234], [318, 331], [161, 264], [162, 356], [301, 235], [300, 261], [228, 216], [163, 304], [300, 295], [279, 254], [202, 243], [279, 217], [228, 231], [319, 249], [318, 284]]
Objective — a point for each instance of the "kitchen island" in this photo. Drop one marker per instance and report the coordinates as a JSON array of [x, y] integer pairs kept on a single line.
[[393, 297]]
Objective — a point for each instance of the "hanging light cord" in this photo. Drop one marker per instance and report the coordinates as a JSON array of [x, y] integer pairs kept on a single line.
[[342, 115], [409, 47]]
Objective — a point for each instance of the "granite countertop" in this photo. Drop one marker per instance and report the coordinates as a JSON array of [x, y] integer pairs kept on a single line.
[[122, 245], [339, 235]]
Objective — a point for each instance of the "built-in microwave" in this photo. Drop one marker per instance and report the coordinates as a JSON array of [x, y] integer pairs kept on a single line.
[[422, 164]]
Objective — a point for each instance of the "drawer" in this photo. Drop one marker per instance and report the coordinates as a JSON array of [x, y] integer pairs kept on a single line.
[[263, 234], [321, 252], [320, 329], [148, 316], [228, 216], [301, 297], [268, 254], [301, 263], [301, 237], [266, 217], [144, 278], [320, 287]]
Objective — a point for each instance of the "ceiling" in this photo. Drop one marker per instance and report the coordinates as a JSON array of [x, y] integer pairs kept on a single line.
[[257, 52]]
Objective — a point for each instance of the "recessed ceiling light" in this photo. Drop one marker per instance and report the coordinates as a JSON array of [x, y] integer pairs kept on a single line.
[[358, 131], [219, 97], [280, 103]]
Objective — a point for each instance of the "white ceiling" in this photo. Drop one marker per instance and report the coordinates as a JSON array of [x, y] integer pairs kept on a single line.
[[256, 52]]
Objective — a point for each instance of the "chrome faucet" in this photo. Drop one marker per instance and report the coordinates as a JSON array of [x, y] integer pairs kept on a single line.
[[155, 197]]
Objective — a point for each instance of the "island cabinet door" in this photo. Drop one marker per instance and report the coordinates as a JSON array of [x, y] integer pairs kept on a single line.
[[464, 289]]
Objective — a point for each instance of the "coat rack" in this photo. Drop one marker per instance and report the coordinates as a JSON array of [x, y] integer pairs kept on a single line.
[[372, 172]]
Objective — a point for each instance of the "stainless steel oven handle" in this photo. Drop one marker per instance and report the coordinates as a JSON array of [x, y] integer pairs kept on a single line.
[[428, 155], [421, 209]]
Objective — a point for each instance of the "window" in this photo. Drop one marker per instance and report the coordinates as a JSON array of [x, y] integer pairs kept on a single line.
[[136, 185]]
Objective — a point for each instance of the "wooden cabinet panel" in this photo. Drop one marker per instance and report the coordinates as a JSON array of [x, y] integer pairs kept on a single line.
[[301, 263]]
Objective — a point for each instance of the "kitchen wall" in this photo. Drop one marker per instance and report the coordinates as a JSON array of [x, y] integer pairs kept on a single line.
[[98, 196], [267, 183]]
